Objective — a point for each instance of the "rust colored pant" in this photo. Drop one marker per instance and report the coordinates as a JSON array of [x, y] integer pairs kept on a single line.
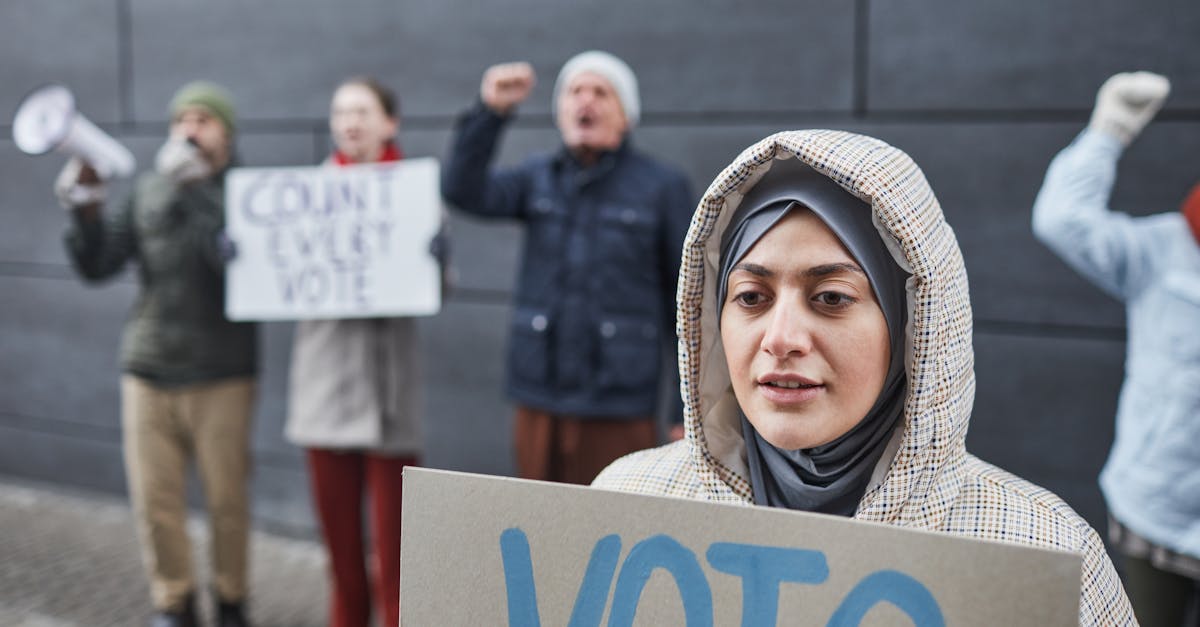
[[338, 479], [574, 449]]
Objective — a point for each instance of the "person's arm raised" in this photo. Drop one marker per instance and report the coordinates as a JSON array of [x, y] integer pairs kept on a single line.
[[1071, 214], [468, 181]]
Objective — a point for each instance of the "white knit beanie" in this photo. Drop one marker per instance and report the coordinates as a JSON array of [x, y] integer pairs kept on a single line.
[[614, 70]]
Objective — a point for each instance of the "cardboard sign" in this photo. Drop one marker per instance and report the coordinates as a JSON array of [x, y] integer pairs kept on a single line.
[[495, 551], [333, 242]]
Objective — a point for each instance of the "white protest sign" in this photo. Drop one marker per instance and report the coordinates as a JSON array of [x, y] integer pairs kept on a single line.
[[333, 242], [481, 550]]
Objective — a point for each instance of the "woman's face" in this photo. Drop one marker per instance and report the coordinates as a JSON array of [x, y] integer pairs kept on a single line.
[[359, 124], [805, 340]]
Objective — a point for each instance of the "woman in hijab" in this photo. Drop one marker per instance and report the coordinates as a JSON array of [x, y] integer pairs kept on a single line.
[[826, 362]]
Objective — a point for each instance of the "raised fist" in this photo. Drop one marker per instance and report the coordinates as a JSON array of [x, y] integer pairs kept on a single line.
[[506, 85], [1126, 103]]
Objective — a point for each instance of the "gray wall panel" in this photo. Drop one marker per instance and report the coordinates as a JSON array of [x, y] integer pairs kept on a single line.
[[1044, 410], [281, 501], [276, 149], [277, 58], [467, 419], [702, 151], [1159, 169], [34, 453], [60, 349], [484, 253], [680, 53], [67, 42], [1011, 55], [275, 350]]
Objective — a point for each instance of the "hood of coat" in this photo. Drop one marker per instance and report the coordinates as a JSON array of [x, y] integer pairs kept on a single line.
[[921, 483]]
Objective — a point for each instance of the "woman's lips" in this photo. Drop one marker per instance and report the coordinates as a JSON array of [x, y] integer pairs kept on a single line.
[[789, 389]]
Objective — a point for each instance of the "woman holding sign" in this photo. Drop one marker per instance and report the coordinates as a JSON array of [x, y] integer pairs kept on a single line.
[[825, 351], [354, 401]]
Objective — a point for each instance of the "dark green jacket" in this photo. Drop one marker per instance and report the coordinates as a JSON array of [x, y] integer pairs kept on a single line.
[[177, 332]]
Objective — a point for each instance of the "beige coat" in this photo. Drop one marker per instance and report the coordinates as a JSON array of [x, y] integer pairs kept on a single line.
[[356, 384], [927, 479]]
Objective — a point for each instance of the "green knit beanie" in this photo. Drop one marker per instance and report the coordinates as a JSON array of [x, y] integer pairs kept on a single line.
[[211, 96]]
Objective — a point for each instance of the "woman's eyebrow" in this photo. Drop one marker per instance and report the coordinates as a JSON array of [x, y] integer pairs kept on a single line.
[[755, 269], [832, 268], [813, 272]]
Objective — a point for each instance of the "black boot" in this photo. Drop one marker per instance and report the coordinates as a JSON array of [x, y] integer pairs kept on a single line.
[[185, 616], [231, 614]]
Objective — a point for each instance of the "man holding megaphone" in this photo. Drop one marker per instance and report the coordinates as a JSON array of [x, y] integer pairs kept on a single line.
[[188, 382]]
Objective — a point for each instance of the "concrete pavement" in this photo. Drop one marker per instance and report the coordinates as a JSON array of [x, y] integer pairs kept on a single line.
[[70, 559]]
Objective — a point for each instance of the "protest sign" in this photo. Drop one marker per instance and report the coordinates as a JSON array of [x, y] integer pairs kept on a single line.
[[333, 242], [495, 551]]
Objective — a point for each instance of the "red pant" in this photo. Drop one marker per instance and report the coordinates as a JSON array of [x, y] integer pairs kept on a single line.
[[337, 479]]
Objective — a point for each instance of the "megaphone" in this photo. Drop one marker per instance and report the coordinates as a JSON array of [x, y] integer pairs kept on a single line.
[[47, 120]]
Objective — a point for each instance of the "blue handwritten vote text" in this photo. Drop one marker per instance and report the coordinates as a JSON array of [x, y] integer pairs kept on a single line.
[[762, 570]]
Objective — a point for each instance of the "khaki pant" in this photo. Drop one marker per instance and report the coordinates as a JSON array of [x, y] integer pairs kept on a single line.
[[164, 429]]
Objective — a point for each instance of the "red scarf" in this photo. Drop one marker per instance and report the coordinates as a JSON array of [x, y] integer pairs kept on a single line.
[[1191, 211], [391, 152]]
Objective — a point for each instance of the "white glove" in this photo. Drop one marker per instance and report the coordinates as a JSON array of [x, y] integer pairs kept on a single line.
[[71, 193], [1126, 102], [180, 160]]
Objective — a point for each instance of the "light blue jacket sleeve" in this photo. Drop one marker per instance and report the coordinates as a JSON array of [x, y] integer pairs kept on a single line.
[[1071, 216]]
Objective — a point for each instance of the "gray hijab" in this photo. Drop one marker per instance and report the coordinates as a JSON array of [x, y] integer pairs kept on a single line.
[[830, 478]]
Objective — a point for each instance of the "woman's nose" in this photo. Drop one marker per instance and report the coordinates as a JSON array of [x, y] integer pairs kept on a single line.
[[788, 332]]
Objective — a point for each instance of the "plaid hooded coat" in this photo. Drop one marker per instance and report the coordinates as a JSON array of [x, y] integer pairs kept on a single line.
[[930, 481]]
